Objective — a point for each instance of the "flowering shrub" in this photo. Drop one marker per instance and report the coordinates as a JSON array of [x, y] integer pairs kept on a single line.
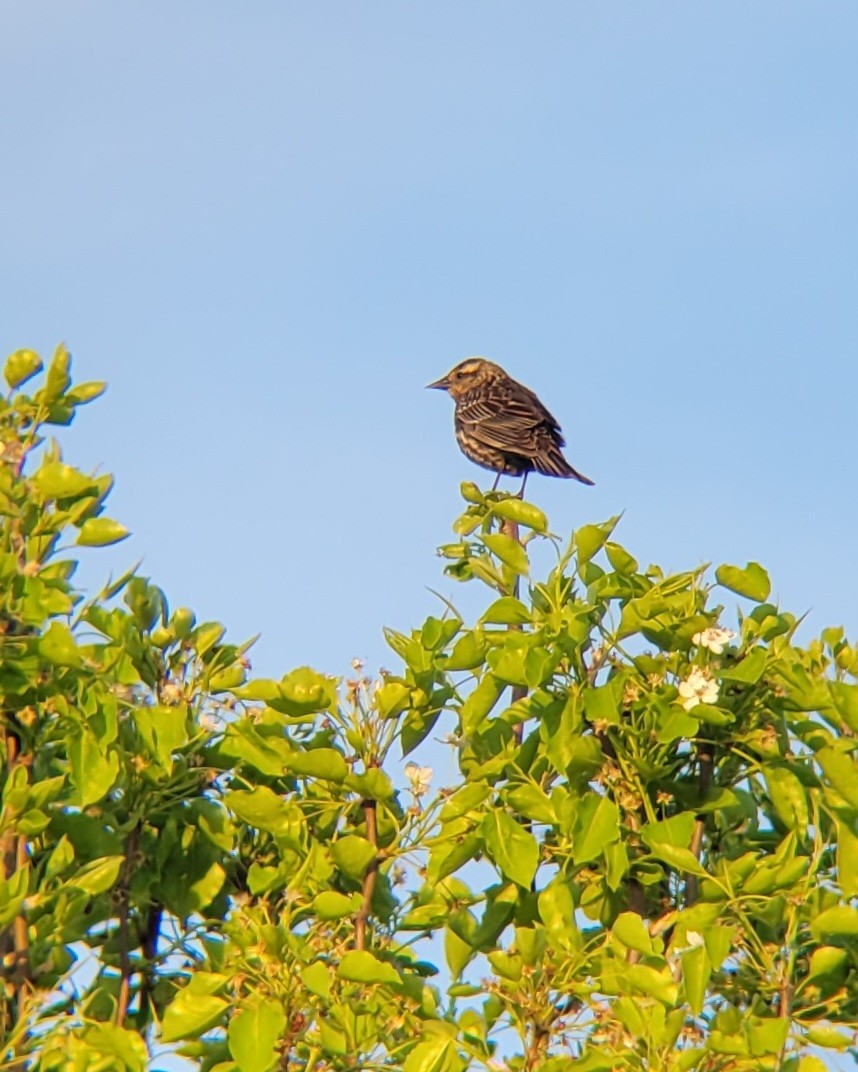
[[647, 859]]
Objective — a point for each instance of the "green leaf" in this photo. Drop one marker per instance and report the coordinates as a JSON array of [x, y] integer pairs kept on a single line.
[[841, 921], [533, 802], [468, 652], [828, 1037], [845, 699], [621, 560], [470, 492], [20, 366], [767, 1035], [438, 1054], [596, 826], [318, 978], [557, 911], [510, 847], [479, 703], [675, 725], [521, 513], [590, 539], [56, 480], [262, 808], [811, 1064], [828, 963], [101, 531], [445, 859], [669, 840], [360, 966], [94, 770], [392, 698], [752, 581], [748, 670], [190, 1015], [353, 855], [696, 972], [507, 611], [124, 1049], [58, 379], [98, 876], [651, 983], [630, 929], [58, 646], [325, 763], [788, 797], [332, 905], [509, 551], [842, 772], [61, 858], [847, 859], [254, 1034], [86, 392]]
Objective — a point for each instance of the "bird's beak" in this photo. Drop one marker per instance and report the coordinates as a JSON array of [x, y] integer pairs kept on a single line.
[[439, 385]]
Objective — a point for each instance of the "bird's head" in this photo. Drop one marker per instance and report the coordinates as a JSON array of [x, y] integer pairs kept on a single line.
[[468, 374]]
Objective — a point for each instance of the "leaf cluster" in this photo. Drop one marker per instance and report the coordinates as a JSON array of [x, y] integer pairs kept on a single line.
[[647, 858]]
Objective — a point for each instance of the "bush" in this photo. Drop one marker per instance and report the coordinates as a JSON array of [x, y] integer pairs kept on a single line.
[[664, 809]]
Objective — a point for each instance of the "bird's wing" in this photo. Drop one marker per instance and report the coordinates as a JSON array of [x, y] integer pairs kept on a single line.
[[507, 417]]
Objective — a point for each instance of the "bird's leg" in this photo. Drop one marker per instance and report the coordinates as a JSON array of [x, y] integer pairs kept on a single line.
[[521, 489], [497, 480]]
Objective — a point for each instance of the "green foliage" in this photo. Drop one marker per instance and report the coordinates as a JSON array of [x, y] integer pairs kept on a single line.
[[646, 860]]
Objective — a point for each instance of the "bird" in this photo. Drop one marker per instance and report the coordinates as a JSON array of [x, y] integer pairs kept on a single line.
[[501, 425]]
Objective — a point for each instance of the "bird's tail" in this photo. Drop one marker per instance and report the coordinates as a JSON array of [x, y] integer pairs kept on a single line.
[[552, 463]]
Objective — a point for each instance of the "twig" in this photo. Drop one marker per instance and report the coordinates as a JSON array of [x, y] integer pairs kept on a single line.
[[368, 888]]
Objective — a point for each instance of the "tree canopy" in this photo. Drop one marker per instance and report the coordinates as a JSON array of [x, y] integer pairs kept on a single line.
[[647, 858]]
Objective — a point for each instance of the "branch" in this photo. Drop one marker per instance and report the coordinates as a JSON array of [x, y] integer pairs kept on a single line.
[[705, 758], [537, 1047], [149, 943], [369, 810], [518, 692], [13, 857], [125, 967]]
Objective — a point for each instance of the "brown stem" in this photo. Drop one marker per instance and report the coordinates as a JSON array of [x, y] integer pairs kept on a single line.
[[123, 894], [537, 1048], [705, 760], [14, 855], [785, 1004], [369, 810], [518, 692], [149, 944]]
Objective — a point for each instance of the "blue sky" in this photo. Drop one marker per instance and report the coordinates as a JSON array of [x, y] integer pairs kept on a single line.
[[268, 225]]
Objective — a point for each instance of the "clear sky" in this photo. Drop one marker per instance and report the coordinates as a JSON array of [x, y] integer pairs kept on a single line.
[[269, 224]]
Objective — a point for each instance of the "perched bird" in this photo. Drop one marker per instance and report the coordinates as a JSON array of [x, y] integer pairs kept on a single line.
[[501, 425]]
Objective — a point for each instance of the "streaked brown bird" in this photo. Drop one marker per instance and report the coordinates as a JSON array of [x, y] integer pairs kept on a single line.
[[501, 425]]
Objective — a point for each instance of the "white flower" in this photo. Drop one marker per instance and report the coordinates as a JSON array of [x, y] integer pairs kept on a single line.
[[713, 638], [171, 694], [420, 778], [697, 688]]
